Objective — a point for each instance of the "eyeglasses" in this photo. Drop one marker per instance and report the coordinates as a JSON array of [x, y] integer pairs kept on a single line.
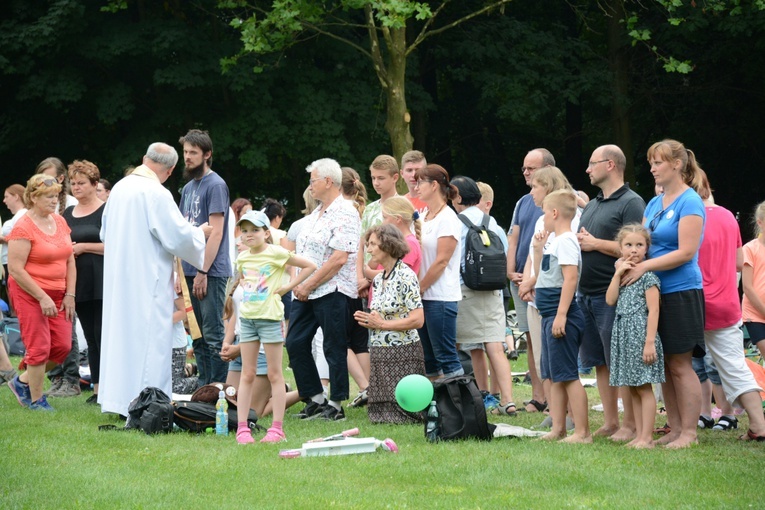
[[311, 181], [655, 220], [47, 182], [593, 163], [529, 169], [417, 184]]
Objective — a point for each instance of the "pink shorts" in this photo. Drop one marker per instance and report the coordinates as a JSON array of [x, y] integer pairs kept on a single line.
[[45, 338]]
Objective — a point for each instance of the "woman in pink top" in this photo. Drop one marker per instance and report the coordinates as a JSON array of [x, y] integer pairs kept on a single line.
[[42, 284], [719, 259]]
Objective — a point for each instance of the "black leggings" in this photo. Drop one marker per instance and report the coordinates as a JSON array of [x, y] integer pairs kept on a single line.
[[90, 313]]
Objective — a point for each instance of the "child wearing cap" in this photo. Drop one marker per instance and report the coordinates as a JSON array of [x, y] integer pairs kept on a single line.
[[260, 269]]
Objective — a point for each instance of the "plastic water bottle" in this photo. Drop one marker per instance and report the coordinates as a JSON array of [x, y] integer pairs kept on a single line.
[[431, 428], [221, 416]]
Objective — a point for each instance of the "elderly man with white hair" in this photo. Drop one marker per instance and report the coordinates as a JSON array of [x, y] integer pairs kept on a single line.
[[330, 239], [142, 230]]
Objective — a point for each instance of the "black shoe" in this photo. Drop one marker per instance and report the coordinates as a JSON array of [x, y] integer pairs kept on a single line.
[[726, 423], [312, 410], [93, 399], [706, 423], [512, 355], [332, 414]]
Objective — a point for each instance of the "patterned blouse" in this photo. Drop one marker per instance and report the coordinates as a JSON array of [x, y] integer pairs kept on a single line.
[[394, 298]]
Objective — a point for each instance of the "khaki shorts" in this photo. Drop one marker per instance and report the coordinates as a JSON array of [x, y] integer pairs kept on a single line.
[[480, 317]]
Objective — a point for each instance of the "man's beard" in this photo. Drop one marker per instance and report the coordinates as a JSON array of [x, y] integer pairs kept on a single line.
[[193, 172]]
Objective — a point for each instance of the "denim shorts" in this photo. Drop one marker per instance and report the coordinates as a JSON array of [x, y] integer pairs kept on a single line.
[[261, 330], [262, 368]]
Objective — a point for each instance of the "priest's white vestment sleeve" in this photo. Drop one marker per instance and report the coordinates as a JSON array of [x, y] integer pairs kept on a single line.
[[142, 230]]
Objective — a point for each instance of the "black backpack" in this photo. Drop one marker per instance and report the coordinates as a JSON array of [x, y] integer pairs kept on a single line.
[[461, 412], [151, 412], [200, 416], [485, 258]]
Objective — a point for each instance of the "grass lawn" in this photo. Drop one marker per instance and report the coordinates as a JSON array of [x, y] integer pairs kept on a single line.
[[62, 460]]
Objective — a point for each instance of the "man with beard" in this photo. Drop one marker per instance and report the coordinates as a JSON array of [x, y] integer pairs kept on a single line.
[[205, 199]]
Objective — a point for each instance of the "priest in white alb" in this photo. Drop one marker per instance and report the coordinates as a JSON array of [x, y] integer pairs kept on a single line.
[[142, 230]]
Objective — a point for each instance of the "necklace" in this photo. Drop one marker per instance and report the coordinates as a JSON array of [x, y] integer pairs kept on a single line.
[[428, 217], [395, 264], [47, 225]]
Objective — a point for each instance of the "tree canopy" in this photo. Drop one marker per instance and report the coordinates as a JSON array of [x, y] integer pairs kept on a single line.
[[79, 82]]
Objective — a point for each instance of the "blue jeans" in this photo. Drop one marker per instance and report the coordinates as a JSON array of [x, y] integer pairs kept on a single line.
[[329, 313], [595, 350], [209, 314], [439, 339]]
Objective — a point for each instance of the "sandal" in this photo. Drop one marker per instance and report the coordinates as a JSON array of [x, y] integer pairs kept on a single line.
[[726, 423], [539, 406], [663, 431], [751, 436], [505, 410]]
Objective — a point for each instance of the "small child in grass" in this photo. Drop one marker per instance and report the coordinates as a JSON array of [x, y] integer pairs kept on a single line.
[[558, 265]]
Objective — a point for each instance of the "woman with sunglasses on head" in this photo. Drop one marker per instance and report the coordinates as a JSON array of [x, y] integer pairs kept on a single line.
[[55, 168], [675, 219], [439, 273], [42, 283]]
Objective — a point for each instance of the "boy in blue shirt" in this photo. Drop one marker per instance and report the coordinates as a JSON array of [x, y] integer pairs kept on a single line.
[[558, 261]]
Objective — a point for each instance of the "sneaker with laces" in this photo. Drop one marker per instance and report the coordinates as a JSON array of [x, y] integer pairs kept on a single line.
[[489, 401], [55, 385], [41, 404], [312, 410], [244, 436], [7, 376], [360, 400], [274, 435], [67, 389], [332, 414], [21, 390]]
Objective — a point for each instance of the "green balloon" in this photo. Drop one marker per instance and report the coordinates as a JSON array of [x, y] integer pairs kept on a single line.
[[414, 392]]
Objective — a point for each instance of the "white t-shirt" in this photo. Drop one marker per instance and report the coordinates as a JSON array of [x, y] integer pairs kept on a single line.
[[447, 287], [7, 227], [539, 227]]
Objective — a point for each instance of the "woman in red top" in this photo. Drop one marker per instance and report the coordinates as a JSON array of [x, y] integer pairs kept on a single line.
[[42, 284]]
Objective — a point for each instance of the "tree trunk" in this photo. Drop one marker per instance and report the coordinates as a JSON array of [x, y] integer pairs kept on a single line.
[[619, 62], [398, 119]]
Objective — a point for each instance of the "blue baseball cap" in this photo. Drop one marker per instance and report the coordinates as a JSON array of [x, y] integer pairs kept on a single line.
[[257, 218]]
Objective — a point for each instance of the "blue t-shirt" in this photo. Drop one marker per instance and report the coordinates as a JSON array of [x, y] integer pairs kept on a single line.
[[525, 216], [663, 225], [200, 199]]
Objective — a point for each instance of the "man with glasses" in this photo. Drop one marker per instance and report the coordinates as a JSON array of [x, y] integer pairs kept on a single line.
[[330, 239], [615, 206], [519, 236]]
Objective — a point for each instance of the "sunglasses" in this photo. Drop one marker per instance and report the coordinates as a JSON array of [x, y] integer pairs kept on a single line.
[[47, 182]]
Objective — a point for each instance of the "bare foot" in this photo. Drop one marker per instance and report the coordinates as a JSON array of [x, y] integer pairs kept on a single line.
[[553, 436], [605, 431], [667, 439], [577, 439], [640, 445], [623, 434], [684, 441], [631, 444]]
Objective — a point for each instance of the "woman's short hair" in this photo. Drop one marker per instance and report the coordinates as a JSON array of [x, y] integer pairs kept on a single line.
[[468, 190], [390, 239], [86, 168], [327, 167], [38, 185]]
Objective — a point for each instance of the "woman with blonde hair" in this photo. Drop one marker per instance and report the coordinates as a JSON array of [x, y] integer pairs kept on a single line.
[[353, 189], [42, 283], [56, 168], [676, 222]]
